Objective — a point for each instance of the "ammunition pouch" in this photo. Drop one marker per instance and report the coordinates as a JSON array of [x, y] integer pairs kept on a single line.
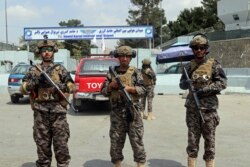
[[126, 80], [46, 95], [202, 74], [116, 97]]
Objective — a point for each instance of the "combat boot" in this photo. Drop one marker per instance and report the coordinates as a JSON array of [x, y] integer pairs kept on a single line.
[[145, 116], [118, 164], [151, 116], [142, 114], [191, 162], [140, 164], [210, 163]]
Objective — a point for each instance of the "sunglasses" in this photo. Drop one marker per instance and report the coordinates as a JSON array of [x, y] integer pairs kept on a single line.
[[201, 47], [49, 49]]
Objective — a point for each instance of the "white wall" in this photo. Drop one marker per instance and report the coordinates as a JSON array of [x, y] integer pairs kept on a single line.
[[227, 8], [24, 56], [63, 55], [15, 57]]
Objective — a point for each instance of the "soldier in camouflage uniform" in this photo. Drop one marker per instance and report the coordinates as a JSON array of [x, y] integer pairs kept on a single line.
[[50, 122], [149, 78], [120, 126], [208, 79]]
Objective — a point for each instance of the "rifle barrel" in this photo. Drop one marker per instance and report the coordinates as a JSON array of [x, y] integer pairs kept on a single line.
[[195, 96]]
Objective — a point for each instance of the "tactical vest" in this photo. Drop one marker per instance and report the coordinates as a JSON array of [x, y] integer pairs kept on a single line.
[[148, 81], [45, 93], [126, 79], [202, 74]]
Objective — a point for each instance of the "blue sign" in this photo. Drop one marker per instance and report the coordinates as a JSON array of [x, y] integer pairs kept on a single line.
[[81, 33]]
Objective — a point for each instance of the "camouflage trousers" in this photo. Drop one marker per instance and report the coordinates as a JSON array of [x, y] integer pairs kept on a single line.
[[51, 128], [119, 128], [149, 95], [196, 128]]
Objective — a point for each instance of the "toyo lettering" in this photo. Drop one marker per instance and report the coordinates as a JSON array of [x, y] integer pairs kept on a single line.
[[94, 85]]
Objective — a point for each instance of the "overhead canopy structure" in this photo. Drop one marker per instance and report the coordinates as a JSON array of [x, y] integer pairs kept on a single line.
[[175, 54]]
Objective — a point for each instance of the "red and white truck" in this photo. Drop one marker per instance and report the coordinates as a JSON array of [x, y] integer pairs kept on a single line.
[[90, 74]]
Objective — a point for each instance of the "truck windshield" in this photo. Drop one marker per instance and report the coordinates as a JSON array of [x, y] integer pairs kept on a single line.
[[98, 65]]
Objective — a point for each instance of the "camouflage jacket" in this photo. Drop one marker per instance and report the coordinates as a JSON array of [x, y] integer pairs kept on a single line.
[[137, 82], [149, 76], [35, 83], [217, 83]]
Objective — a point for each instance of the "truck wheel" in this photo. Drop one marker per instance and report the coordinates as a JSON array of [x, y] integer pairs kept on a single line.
[[77, 107], [14, 99]]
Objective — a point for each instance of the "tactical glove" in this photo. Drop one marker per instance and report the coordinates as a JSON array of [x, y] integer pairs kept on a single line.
[[186, 83], [42, 79], [71, 87]]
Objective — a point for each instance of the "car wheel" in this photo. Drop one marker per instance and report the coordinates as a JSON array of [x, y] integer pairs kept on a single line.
[[14, 99]]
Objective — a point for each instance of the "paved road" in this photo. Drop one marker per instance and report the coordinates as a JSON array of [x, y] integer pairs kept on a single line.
[[165, 138]]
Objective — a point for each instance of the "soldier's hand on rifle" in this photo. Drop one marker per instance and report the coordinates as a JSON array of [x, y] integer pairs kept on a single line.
[[130, 89], [187, 82], [113, 85], [42, 79]]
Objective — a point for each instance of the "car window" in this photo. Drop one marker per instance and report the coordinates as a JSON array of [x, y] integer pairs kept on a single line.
[[171, 70], [180, 69], [97, 65], [175, 69], [20, 69]]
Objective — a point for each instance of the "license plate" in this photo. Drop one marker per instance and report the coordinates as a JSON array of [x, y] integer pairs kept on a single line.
[[101, 98]]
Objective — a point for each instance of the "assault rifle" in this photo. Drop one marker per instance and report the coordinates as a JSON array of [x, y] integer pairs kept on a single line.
[[129, 103], [55, 86], [196, 99]]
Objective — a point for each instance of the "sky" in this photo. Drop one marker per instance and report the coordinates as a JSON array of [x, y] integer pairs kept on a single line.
[[48, 13]]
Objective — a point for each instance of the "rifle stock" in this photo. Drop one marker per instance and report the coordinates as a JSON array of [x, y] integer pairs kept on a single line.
[[195, 96], [125, 94], [54, 85]]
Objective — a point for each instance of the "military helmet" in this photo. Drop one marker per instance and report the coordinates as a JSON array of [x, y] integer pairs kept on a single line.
[[146, 62], [45, 43], [124, 50], [199, 39]]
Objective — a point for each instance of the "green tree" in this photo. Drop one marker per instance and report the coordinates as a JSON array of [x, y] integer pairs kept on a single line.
[[186, 22], [24, 46], [77, 48], [210, 7], [146, 12], [202, 19]]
